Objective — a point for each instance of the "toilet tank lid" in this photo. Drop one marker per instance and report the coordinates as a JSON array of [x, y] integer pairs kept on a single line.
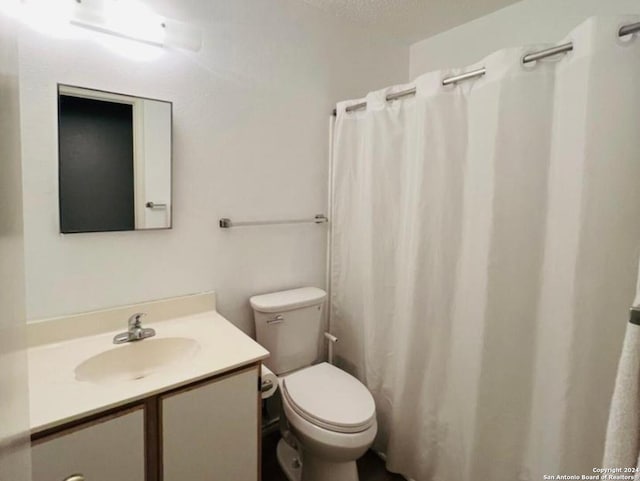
[[288, 300]]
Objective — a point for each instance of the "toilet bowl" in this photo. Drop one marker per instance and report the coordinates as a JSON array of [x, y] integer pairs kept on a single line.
[[330, 413]]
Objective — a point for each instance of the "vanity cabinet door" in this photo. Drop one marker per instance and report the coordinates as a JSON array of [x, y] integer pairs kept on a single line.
[[108, 449], [210, 431]]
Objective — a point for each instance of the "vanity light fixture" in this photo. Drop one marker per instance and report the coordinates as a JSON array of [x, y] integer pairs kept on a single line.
[[128, 19], [133, 20], [122, 18]]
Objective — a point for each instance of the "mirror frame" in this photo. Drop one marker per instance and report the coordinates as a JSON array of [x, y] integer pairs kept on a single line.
[[109, 95]]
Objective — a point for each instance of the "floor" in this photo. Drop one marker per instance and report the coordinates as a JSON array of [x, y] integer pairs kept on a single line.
[[370, 466]]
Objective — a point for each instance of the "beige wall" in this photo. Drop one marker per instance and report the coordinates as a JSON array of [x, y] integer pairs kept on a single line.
[[250, 142], [524, 23], [15, 462]]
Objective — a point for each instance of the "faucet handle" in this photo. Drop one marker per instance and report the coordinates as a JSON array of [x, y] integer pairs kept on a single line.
[[135, 320]]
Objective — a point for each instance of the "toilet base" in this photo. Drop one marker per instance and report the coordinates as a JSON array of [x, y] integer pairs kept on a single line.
[[318, 469], [289, 461], [315, 469]]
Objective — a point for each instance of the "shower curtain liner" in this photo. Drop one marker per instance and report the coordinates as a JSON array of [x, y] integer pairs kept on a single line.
[[484, 242]]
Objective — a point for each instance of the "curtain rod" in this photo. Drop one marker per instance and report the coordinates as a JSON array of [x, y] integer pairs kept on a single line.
[[528, 58]]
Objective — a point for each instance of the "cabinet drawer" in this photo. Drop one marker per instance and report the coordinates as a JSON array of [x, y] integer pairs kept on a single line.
[[107, 449]]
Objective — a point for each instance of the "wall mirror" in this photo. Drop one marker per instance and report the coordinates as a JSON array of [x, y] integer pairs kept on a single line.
[[114, 161]]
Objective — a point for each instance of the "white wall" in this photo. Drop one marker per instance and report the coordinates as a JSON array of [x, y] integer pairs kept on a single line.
[[15, 462], [524, 23], [250, 142]]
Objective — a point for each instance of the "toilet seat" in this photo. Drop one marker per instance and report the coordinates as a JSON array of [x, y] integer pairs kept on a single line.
[[330, 398]]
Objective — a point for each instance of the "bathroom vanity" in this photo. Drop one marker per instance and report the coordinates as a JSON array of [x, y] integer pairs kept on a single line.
[[183, 404]]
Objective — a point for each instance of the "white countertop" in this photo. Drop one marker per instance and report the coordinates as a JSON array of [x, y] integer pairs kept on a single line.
[[57, 397]]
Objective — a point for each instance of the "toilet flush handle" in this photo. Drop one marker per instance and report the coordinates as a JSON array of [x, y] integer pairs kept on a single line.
[[276, 320]]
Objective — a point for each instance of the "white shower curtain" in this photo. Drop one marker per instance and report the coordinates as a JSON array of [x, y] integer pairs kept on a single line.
[[484, 237]]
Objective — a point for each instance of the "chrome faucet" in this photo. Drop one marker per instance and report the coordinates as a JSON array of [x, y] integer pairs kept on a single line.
[[135, 332]]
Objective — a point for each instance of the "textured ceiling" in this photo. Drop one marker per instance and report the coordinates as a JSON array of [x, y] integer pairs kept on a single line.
[[409, 20]]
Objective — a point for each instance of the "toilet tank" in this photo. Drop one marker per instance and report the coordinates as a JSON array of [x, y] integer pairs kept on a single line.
[[288, 325]]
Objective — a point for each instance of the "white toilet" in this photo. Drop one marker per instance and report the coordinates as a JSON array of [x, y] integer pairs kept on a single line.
[[330, 413]]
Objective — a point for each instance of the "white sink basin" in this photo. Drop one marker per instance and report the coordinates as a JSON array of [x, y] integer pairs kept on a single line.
[[136, 360]]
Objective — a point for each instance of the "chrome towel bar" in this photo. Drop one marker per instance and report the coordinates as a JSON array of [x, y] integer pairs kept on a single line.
[[226, 223]]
